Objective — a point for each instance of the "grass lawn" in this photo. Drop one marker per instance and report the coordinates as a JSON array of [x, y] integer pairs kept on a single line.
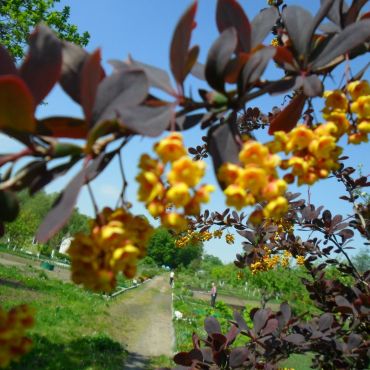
[[72, 329]]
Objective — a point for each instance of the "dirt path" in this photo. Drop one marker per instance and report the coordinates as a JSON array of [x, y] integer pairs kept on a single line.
[[143, 322], [235, 302]]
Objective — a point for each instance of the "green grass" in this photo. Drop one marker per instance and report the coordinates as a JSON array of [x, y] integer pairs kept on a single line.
[[72, 325]]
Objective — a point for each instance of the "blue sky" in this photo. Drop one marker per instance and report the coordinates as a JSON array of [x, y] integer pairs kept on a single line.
[[143, 28]]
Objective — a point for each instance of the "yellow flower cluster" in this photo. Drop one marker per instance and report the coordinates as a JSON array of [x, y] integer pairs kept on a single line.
[[13, 325], [300, 260], [193, 237], [269, 261], [113, 245], [255, 181], [314, 152], [183, 176]]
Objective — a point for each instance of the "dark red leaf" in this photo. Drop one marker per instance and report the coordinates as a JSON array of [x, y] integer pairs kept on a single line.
[[294, 18], [73, 61], [259, 319], [240, 321], [256, 65], [42, 66], [157, 77], [64, 205], [222, 146], [312, 85], [69, 127], [354, 11], [270, 327], [346, 234], [211, 325], [180, 43], [354, 341], [7, 66], [289, 116], [295, 338], [229, 13], [352, 36], [186, 122], [121, 90], [91, 75], [218, 57], [16, 105], [146, 120], [196, 354], [48, 176], [262, 24], [198, 71], [325, 322], [238, 356], [9, 206], [182, 358]]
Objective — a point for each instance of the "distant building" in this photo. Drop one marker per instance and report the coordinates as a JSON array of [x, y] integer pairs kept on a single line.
[[64, 245]]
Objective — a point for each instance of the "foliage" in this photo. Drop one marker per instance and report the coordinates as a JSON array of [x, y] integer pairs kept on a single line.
[[161, 248], [250, 172], [21, 233], [58, 341], [18, 18]]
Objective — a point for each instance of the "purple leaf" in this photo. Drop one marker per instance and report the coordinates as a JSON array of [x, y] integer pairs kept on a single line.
[[262, 24], [229, 13], [42, 66], [295, 338], [7, 66], [259, 319], [180, 43], [238, 356], [352, 36], [270, 327], [256, 65], [218, 56], [325, 322], [211, 325], [121, 90], [286, 311], [58, 216], [73, 61]]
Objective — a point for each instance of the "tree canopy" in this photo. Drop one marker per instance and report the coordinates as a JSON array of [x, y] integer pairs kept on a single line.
[[19, 17]]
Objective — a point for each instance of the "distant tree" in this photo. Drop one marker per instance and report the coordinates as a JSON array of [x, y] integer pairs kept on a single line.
[[362, 261], [19, 17], [33, 210], [209, 260], [162, 250]]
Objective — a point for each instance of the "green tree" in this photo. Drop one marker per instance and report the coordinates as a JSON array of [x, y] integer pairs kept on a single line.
[[163, 250], [19, 17], [362, 260], [33, 210]]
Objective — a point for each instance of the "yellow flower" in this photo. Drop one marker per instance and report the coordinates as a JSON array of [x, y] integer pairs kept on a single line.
[[336, 101], [150, 186], [358, 88], [275, 40], [299, 165], [13, 325], [155, 208], [230, 238], [276, 208], [300, 260], [323, 147], [217, 234], [187, 171], [179, 194], [228, 173], [205, 236], [253, 152], [174, 221], [252, 179], [273, 189], [109, 248], [171, 148], [358, 138], [235, 196], [364, 127], [361, 107], [147, 163], [299, 138], [203, 193]]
